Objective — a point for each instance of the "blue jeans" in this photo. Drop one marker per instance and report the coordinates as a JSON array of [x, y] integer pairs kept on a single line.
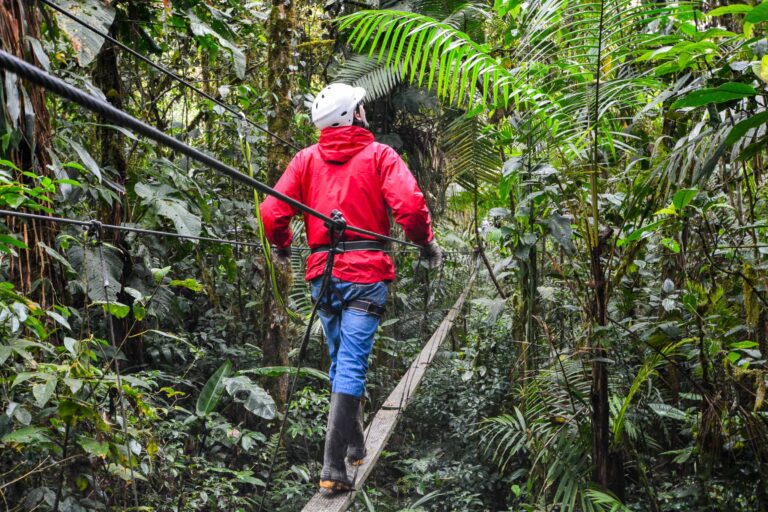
[[349, 332]]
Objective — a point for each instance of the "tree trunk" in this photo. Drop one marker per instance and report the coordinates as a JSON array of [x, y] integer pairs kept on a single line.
[[282, 26], [599, 393], [29, 124], [106, 76]]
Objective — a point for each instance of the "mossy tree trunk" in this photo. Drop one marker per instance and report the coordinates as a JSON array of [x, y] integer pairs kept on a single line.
[[112, 157], [282, 28]]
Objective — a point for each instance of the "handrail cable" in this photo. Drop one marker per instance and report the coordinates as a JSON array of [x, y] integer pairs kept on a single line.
[[166, 72], [113, 227], [169, 234], [121, 118]]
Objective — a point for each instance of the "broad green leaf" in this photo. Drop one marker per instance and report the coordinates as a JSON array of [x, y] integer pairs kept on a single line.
[[743, 344], [130, 379], [562, 232], [667, 210], [92, 272], [87, 159], [762, 72], [59, 319], [757, 14], [726, 92], [26, 435], [638, 233], [731, 9], [189, 283], [276, 371], [160, 199], [741, 128], [200, 29], [671, 244], [159, 273], [25, 376], [212, 390], [71, 345], [73, 384], [53, 253], [683, 197], [85, 42], [43, 392], [12, 200], [139, 311], [93, 447], [668, 411], [125, 473], [9, 164], [116, 309], [5, 353], [9, 240], [251, 395]]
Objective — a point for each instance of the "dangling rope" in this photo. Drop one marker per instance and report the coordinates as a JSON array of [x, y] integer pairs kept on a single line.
[[96, 231]]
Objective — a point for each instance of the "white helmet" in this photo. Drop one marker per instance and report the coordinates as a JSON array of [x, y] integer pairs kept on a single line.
[[335, 105]]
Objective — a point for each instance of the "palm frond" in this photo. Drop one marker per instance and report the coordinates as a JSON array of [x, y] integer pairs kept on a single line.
[[470, 153], [376, 78], [547, 431], [432, 54]]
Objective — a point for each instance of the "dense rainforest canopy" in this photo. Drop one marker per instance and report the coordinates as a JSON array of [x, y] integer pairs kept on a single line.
[[608, 155]]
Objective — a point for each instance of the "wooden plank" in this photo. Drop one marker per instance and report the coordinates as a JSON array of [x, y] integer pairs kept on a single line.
[[383, 425]]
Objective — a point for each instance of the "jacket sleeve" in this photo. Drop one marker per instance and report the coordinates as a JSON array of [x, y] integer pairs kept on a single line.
[[276, 214], [402, 194]]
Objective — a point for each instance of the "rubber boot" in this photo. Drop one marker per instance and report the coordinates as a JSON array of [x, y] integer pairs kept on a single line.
[[356, 451], [341, 421]]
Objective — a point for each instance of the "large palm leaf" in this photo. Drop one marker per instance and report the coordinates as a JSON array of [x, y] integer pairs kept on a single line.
[[575, 65], [375, 77], [431, 53], [470, 153]]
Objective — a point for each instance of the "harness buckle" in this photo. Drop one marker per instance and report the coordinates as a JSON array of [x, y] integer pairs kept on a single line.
[[366, 306]]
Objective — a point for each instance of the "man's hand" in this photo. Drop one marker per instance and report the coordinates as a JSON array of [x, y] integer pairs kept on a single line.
[[433, 253], [283, 257]]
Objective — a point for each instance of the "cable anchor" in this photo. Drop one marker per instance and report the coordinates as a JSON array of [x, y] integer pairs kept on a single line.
[[94, 230], [336, 227]]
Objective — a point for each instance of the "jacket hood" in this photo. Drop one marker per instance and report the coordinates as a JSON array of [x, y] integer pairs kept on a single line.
[[342, 143]]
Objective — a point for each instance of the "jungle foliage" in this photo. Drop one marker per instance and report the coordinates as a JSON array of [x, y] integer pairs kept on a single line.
[[609, 155]]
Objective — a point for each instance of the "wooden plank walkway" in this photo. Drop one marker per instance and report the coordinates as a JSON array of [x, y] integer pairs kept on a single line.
[[385, 421]]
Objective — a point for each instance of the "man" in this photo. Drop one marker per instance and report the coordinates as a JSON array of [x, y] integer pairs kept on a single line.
[[347, 171]]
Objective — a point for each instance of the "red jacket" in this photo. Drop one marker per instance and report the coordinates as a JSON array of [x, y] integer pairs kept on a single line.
[[347, 171]]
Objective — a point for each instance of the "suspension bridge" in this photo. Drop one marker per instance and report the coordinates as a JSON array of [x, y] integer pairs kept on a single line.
[[386, 418]]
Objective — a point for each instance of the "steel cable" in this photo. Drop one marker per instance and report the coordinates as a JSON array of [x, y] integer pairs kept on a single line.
[[168, 234], [130, 229]]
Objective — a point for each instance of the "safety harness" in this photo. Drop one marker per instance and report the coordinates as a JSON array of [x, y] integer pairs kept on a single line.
[[351, 245], [363, 305]]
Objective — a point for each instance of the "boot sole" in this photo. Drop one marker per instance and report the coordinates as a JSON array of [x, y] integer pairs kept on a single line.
[[334, 486]]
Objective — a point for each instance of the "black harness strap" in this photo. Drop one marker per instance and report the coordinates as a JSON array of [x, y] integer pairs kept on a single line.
[[366, 306], [352, 245], [363, 305]]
